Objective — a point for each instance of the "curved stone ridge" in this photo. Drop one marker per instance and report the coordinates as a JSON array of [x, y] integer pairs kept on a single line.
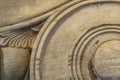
[[18, 14], [107, 60], [86, 49], [69, 40]]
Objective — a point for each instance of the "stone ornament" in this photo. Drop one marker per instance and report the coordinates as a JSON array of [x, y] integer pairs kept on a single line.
[[70, 40]]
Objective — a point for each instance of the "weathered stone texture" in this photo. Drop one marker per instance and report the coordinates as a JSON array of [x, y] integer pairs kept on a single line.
[[60, 40]]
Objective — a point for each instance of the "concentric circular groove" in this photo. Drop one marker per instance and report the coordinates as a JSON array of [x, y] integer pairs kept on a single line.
[[79, 63], [78, 52]]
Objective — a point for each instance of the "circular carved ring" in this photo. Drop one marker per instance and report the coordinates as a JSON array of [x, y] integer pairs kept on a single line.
[[81, 60], [79, 42]]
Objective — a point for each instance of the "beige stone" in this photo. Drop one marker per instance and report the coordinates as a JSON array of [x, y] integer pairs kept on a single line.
[[79, 43], [60, 40]]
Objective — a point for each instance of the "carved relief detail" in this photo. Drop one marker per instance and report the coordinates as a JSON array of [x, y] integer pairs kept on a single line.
[[80, 42], [82, 62], [23, 38]]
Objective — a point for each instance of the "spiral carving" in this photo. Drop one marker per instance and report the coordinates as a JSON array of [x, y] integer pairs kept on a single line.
[[85, 48], [79, 42]]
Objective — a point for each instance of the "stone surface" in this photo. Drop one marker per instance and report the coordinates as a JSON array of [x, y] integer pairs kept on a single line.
[[60, 40], [76, 42], [16, 14], [107, 60], [14, 63], [14, 11]]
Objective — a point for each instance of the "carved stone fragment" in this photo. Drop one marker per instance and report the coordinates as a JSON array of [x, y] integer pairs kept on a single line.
[[60, 40]]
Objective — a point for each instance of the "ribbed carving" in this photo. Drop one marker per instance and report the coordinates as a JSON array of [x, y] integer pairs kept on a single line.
[[23, 38]]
